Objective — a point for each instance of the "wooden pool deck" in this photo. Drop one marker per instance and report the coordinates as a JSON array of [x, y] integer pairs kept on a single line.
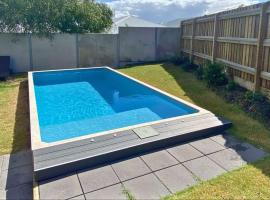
[[71, 157]]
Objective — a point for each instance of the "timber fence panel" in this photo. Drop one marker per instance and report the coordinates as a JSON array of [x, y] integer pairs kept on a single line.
[[238, 38]]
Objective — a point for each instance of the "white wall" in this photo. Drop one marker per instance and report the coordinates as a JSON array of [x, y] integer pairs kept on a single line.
[[16, 46], [131, 45], [56, 53]]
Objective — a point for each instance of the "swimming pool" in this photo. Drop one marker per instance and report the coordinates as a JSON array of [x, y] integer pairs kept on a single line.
[[73, 103]]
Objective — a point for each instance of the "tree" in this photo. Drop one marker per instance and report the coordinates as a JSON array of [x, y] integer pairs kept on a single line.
[[54, 16]]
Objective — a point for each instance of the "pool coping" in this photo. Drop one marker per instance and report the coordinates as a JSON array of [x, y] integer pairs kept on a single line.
[[37, 143]]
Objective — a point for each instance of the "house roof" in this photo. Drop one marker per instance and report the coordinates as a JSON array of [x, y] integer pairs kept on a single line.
[[132, 21], [174, 23]]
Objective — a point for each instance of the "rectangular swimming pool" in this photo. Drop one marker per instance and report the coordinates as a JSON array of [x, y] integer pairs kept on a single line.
[[81, 118], [70, 104]]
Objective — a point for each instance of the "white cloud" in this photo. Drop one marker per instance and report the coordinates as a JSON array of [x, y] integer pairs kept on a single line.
[[165, 10]]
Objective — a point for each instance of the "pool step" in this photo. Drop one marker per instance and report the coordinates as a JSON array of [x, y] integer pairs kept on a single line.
[[67, 158]]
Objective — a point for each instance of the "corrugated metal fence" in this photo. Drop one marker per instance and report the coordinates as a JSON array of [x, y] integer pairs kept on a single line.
[[239, 38]]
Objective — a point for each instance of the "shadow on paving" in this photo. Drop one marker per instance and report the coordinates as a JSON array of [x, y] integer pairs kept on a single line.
[[17, 169]]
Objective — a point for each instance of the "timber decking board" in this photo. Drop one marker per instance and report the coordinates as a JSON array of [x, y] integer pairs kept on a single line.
[[187, 119], [184, 124], [75, 144], [84, 154], [190, 129], [89, 147]]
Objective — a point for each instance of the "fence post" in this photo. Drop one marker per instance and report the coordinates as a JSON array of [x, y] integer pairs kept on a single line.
[[215, 39], [192, 39], [261, 37]]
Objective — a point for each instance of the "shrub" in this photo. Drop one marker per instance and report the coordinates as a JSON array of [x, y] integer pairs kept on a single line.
[[199, 72], [179, 60], [253, 97], [231, 86], [189, 66], [266, 111], [214, 75], [256, 104]]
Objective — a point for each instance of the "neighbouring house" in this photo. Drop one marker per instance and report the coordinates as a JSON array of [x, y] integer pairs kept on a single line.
[[131, 21], [174, 23]]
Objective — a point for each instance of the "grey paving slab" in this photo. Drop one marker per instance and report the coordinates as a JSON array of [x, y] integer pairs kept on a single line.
[[204, 168], [176, 178], [184, 152], [226, 140], [16, 176], [228, 159], [225, 152], [3, 194], [81, 197], [21, 192], [207, 146], [130, 168], [1, 162], [112, 192], [17, 160], [248, 152], [61, 188], [159, 160], [97, 178], [146, 187]]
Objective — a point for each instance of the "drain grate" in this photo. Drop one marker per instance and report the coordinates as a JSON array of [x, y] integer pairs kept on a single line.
[[145, 132]]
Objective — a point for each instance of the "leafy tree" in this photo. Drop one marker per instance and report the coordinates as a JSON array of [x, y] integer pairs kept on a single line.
[[54, 16]]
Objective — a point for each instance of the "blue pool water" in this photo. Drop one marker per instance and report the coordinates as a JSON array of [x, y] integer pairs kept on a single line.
[[73, 103]]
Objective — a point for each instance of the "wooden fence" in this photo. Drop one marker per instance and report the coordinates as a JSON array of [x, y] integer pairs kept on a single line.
[[239, 38]]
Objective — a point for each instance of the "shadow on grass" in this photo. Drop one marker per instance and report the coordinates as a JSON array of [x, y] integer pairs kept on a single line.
[[18, 171], [246, 151], [21, 137]]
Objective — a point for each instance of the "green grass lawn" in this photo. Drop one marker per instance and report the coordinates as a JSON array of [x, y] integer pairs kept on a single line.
[[14, 117], [249, 182]]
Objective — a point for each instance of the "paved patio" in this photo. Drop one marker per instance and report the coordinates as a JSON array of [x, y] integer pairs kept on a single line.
[[16, 178], [155, 174], [149, 176]]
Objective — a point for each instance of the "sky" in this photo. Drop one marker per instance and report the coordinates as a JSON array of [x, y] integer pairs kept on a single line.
[[160, 11]]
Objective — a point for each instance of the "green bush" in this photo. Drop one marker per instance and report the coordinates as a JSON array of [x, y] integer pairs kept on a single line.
[[266, 111], [199, 72], [189, 66], [254, 97], [179, 60], [256, 104], [214, 75], [253, 103], [231, 86]]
